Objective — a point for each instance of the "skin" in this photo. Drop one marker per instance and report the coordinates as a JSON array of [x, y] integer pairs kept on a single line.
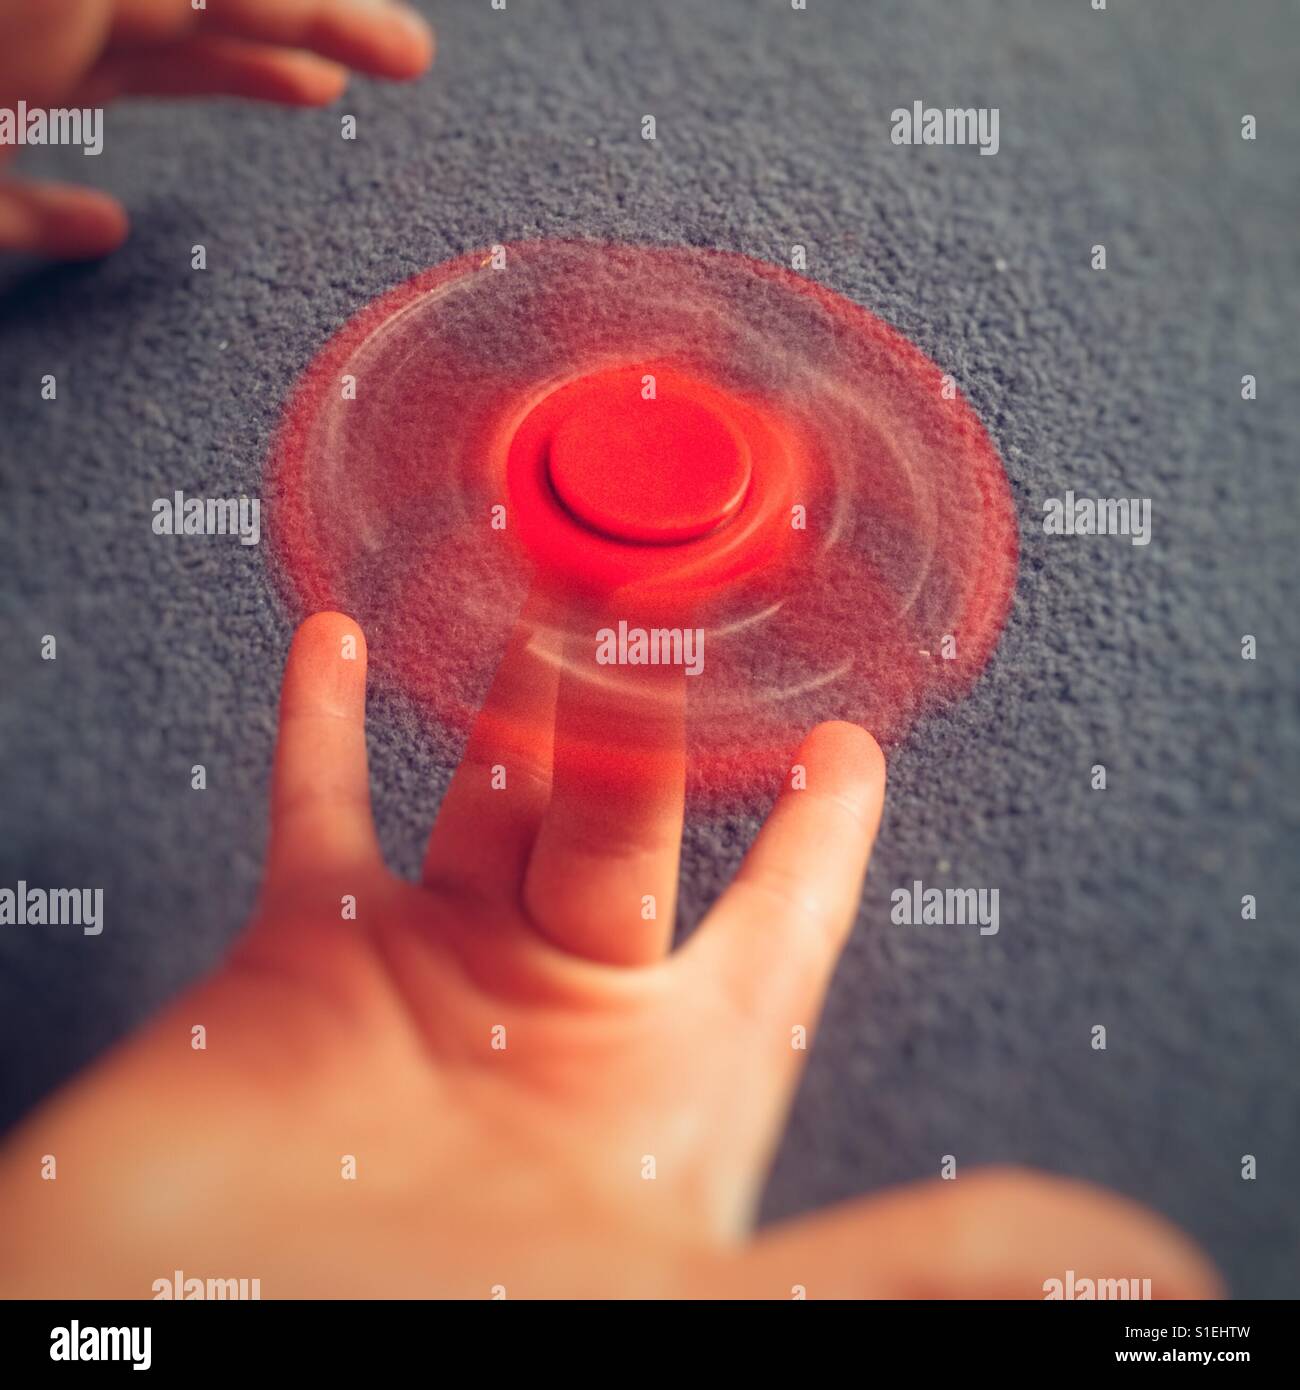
[[481, 1170], [87, 53]]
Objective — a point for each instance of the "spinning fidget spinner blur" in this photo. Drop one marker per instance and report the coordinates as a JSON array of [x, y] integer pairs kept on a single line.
[[648, 457]]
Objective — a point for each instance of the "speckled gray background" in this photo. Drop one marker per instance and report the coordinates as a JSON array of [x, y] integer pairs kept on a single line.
[[1120, 907]]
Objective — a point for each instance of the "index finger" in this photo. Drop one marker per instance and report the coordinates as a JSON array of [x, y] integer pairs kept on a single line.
[[775, 934]]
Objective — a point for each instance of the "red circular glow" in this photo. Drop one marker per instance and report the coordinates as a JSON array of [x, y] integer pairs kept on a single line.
[[814, 494]]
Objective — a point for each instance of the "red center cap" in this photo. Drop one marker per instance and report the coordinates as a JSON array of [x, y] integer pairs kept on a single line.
[[650, 471]]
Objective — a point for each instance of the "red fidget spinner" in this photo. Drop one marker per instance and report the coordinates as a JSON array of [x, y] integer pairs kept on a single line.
[[659, 434]]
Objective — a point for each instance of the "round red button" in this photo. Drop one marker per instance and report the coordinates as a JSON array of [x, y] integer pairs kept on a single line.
[[661, 501], [657, 471]]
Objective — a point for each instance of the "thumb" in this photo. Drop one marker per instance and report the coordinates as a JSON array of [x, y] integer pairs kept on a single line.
[[1000, 1233]]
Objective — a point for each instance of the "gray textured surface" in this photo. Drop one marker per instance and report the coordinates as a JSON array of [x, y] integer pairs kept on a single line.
[[1119, 907]]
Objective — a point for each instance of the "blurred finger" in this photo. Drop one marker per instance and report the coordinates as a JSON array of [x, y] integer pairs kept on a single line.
[[203, 67], [373, 36], [62, 220], [320, 798], [774, 936], [602, 880], [46, 44], [490, 813], [999, 1233], [765, 953]]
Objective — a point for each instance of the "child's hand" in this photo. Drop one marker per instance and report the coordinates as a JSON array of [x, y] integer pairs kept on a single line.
[[85, 53], [520, 1116]]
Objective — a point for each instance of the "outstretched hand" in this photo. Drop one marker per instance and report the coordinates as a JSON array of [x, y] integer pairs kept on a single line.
[[86, 53], [498, 1082]]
